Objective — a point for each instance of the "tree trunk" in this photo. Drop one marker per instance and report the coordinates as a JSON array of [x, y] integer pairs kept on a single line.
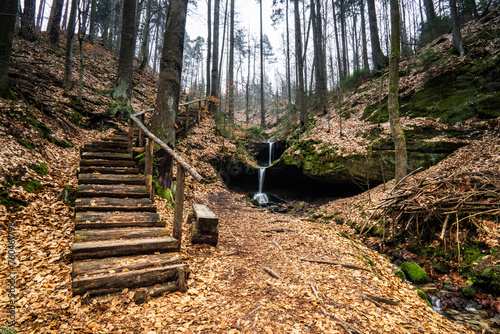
[[56, 21], [209, 45], [262, 110], [111, 35], [300, 65], [169, 85], [231, 66], [288, 79], [7, 31], [215, 61], [339, 59], [144, 51], [68, 70], [39, 19], [93, 16], [343, 37], [28, 21], [366, 66], [65, 18], [396, 129], [318, 54], [125, 72], [457, 36], [378, 58], [247, 97], [431, 18]]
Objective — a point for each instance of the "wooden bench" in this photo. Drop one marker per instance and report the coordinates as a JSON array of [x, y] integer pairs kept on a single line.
[[204, 225]]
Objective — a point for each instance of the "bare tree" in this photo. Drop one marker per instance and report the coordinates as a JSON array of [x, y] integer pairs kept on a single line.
[[431, 18], [397, 131], [55, 28], [28, 21], [300, 66], [215, 60], [68, 70], [169, 85], [457, 36], [378, 58], [124, 74], [262, 109], [230, 80], [209, 45], [7, 29]]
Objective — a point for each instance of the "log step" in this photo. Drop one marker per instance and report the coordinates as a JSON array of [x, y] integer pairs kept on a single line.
[[121, 233], [109, 170], [107, 163], [119, 264], [100, 249], [108, 144], [112, 282], [114, 204], [109, 220], [113, 190], [110, 179], [106, 156], [88, 148]]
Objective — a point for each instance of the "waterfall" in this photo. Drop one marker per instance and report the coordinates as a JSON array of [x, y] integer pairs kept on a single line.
[[260, 196], [271, 143]]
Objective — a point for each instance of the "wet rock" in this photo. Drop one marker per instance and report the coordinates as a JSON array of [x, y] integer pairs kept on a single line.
[[414, 272], [141, 296]]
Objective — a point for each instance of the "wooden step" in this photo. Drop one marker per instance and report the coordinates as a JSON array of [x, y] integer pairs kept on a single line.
[[107, 163], [106, 156], [109, 170], [112, 190], [120, 233], [100, 249], [110, 179], [109, 144], [109, 220], [88, 148], [114, 204], [118, 264], [112, 282]]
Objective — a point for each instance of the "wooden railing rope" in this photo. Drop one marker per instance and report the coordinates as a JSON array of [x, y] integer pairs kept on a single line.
[[182, 165]]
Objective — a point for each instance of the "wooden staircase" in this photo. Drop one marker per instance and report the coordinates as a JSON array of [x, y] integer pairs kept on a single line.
[[120, 241]]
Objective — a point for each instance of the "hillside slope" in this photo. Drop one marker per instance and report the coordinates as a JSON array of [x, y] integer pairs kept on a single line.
[[229, 292]]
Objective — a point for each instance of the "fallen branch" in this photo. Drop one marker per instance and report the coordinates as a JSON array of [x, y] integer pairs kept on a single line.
[[277, 230], [344, 324], [346, 265], [365, 297], [271, 272], [383, 300]]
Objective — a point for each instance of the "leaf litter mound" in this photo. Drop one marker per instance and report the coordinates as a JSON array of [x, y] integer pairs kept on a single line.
[[231, 290]]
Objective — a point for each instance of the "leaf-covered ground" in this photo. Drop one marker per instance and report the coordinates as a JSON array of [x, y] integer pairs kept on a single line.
[[229, 289]]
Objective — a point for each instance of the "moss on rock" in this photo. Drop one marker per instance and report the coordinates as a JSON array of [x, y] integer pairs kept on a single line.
[[41, 168], [414, 272], [32, 186], [423, 296]]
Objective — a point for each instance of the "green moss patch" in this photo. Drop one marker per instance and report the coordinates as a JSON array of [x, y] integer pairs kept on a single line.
[[32, 186], [68, 196], [423, 296], [41, 168], [9, 202], [414, 272]]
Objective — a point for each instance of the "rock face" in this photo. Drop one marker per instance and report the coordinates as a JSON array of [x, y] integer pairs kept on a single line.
[[487, 273], [322, 161]]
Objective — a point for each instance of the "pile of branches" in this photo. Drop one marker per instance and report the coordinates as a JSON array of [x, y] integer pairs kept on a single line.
[[459, 199]]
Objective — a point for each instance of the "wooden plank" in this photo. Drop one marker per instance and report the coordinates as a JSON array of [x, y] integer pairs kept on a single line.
[[106, 156], [110, 179], [100, 249], [114, 190], [205, 227], [202, 212], [128, 279], [107, 163], [114, 204], [121, 233], [108, 144], [179, 203], [109, 170], [118, 264], [102, 149], [107, 220]]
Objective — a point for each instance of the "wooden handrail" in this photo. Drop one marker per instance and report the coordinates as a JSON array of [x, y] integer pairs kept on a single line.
[[182, 167]]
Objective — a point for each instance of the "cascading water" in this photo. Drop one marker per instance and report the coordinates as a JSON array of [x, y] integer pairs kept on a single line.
[[271, 143], [261, 197]]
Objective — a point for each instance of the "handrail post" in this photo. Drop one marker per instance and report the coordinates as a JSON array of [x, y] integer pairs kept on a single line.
[[130, 134], [148, 168], [141, 133], [199, 111], [179, 203]]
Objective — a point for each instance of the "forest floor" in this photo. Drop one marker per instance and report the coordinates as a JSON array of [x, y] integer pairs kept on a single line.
[[229, 289]]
